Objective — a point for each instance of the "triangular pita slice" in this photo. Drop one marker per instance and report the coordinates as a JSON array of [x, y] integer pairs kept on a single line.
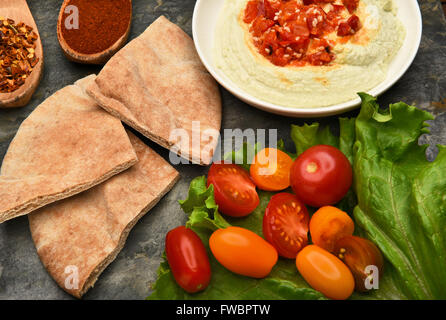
[[158, 85], [67, 145], [82, 235]]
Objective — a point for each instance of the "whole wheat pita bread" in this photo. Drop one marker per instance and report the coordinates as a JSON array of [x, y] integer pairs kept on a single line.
[[67, 145], [157, 84], [87, 231]]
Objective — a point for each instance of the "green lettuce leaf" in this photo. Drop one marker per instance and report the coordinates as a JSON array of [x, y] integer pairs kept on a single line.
[[398, 201], [244, 156], [307, 136], [401, 196], [201, 208]]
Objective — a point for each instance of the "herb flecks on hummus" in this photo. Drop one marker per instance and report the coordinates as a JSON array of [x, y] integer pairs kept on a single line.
[[300, 32], [361, 60]]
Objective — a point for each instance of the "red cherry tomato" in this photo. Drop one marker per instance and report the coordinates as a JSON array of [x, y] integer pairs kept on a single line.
[[234, 191], [285, 224], [188, 259], [321, 176], [358, 253]]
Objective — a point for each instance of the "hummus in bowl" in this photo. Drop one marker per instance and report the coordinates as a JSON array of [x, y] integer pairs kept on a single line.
[[357, 59]]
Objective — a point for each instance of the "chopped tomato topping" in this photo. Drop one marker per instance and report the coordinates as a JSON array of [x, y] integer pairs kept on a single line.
[[308, 2], [261, 25], [294, 32], [252, 11], [351, 5], [335, 12], [320, 58], [271, 8], [316, 20], [344, 29], [280, 58], [354, 22], [350, 27]]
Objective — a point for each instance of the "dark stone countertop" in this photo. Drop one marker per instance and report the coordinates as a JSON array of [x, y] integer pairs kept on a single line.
[[22, 276]]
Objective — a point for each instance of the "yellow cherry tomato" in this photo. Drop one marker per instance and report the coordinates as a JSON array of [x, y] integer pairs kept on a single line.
[[328, 225], [243, 252], [325, 273]]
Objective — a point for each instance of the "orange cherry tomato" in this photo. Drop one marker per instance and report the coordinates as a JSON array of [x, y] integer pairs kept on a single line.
[[325, 273], [270, 170], [243, 252], [328, 225], [358, 253]]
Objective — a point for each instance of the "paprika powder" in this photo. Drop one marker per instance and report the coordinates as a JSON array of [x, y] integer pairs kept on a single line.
[[100, 24]]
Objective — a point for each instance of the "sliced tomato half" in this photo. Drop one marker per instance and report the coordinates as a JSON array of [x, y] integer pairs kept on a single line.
[[234, 191], [270, 169], [285, 224], [358, 254]]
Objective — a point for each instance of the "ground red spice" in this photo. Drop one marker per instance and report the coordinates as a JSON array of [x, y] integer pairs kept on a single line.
[[101, 24]]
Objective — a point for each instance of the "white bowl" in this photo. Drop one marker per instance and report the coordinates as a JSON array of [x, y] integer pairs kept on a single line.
[[204, 22]]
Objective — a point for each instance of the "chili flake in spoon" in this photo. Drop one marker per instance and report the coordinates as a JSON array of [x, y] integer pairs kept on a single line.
[[300, 32], [17, 56]]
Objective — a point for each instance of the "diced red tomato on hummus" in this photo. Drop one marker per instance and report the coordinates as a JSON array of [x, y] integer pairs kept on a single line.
[[351, 26], [351, 5], [296, 32]]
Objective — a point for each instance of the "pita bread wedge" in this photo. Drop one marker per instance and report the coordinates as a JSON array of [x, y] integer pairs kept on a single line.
[[158, 85], [67, 145], [85, 233]]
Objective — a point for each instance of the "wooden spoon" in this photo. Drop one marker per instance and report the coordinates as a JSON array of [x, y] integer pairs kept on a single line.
[[18, 11], [95, 58]]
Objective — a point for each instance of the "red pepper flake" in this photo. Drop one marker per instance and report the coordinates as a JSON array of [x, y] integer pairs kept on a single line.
[[295, 32], [17, 54]]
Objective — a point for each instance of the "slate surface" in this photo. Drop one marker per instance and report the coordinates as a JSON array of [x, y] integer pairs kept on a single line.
[[129, 277]]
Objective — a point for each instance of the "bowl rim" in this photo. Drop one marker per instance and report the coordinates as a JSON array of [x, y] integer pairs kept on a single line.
[[302, 112]]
